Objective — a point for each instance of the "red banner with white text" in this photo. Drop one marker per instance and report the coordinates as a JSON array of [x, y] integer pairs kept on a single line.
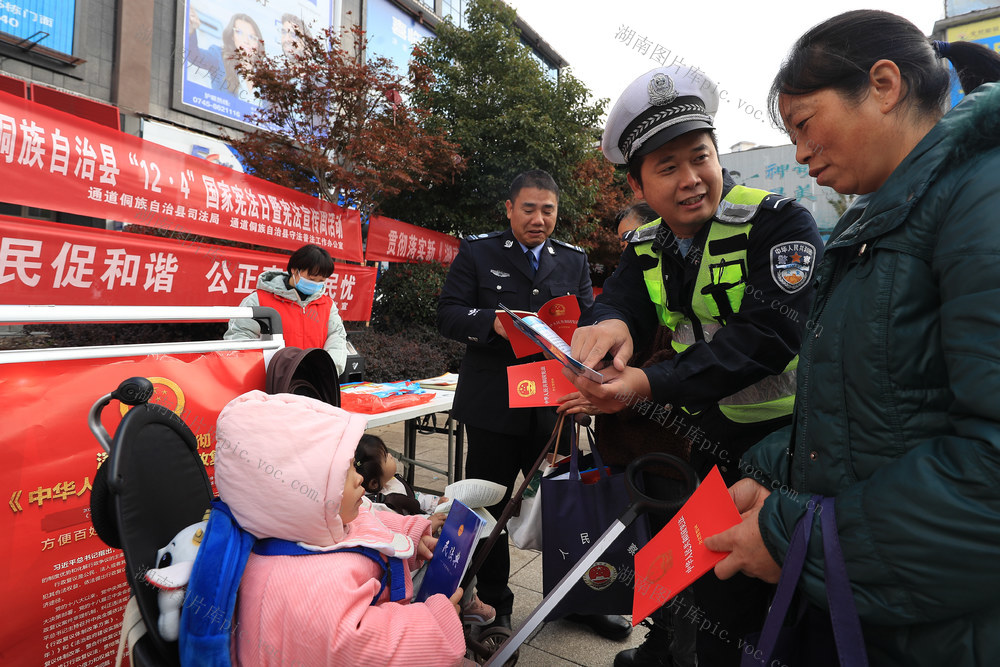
[[57, 161], [64, 589], [394, 241], [52, 263]]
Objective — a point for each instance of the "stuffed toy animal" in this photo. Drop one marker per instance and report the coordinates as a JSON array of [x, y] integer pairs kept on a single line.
[[174, 563]]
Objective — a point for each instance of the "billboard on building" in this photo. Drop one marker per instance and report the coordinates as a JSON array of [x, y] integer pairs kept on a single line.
[[47, 22], [959, 7], [774, 168], [393, 33], [985, 32], [215, 30], [214, 150]]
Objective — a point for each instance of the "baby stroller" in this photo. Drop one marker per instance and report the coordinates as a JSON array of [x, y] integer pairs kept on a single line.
[[152, 485], [153, 482]]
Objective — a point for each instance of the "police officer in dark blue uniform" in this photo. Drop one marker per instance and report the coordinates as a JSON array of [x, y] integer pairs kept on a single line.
[[727, 269], [521, 268]]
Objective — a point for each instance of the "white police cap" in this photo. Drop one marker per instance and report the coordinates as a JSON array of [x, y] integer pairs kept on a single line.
[[660, 105]]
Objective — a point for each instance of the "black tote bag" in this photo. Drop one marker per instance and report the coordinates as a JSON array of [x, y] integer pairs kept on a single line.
[[577, 508]]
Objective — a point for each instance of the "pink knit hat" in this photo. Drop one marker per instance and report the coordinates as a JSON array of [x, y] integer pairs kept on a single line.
[[281, 464]]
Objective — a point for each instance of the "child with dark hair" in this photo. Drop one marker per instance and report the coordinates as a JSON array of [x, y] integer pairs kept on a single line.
[[377, 467]]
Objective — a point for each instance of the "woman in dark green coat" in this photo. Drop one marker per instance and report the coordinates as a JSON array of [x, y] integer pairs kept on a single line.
[[898, 402]]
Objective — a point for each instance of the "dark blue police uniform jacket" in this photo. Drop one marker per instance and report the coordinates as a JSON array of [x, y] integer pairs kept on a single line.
[[491, 269]]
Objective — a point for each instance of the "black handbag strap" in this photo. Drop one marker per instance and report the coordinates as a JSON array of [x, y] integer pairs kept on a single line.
[[843, 612], [574, 464], [593, 450], [794, 559], [574, 452]]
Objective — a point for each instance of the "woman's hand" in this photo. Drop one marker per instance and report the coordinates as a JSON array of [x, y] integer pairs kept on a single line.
[[747, 551]]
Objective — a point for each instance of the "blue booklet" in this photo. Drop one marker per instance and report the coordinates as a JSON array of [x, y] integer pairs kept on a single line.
[[453, 552]]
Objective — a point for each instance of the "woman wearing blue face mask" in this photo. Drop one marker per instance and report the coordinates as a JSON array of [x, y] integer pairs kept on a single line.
[[309, 317]]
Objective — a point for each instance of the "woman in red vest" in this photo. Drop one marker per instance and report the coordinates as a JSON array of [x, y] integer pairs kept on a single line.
[[309, 317]]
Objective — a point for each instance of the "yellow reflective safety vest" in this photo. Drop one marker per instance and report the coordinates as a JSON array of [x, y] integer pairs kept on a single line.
[[718, 293]]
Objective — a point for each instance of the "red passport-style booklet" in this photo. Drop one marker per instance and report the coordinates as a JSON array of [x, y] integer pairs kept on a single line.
[[676, 556], [537, 385], [560, 314]]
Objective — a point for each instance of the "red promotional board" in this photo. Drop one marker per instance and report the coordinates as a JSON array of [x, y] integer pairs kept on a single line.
[[51, 263], [394, 241], [64, 589], [58, 161]]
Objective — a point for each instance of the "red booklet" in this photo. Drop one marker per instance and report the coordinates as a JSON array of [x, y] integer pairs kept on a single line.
[[676, 556], [536, 385], [561, 314]]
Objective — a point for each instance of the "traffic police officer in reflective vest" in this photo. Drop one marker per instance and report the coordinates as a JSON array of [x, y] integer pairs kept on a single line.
[[727, 269]]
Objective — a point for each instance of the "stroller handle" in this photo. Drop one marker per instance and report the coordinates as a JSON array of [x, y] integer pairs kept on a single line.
[[644, 503], [133, 391]]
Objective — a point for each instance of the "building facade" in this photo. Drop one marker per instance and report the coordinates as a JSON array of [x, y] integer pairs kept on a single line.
[[774, 168], [160, 69]]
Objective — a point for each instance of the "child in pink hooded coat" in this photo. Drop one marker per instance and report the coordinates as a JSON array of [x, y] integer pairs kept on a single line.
[[284, 465]]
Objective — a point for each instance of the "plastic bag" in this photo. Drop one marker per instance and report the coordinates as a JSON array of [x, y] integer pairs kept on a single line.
[[375, 397]]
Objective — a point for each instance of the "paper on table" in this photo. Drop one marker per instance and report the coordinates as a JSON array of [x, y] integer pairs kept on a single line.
[[446, 381]]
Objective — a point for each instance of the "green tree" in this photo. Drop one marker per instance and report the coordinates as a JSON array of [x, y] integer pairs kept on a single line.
[[492, 98], [338, 123]]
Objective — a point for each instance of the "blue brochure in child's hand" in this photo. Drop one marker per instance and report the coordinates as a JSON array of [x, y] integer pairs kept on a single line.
[[453, 552]]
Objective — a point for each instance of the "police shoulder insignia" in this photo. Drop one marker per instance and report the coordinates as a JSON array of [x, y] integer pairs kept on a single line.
[[568, 245], [644, 233], [776, 202], [792, 264], [477, 237]]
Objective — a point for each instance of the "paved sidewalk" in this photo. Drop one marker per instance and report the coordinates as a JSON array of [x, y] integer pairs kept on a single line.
[[554, 644]]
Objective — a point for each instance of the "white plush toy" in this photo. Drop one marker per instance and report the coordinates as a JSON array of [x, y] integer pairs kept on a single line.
[[174, 564]]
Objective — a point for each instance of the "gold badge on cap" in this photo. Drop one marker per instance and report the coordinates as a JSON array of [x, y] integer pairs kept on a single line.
[[661, 90]]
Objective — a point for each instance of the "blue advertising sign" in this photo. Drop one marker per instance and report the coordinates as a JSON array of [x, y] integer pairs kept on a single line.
[[47, 22], [215, 30], [393, 33]]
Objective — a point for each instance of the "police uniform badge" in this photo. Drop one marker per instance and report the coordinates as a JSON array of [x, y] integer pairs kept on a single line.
[[661, 90], [508, 244], [792, 264]]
